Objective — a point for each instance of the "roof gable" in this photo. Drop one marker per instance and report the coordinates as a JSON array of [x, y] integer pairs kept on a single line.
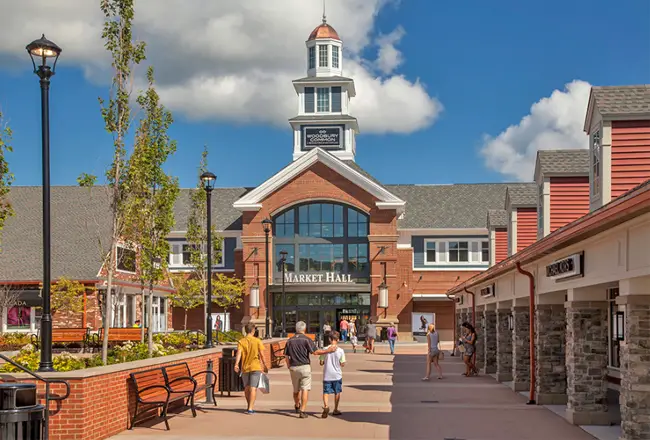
[[521, 195], [561, 163], [618, 102], [252, 201]]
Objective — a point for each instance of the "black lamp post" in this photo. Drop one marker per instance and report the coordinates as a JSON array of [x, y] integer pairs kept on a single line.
[[208, 180], [283, 261], [267, 224], [39, 51]]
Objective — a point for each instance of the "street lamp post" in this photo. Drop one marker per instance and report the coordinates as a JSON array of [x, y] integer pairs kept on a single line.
[[208, 180], [39, 51], [283, 260], [266, 225]]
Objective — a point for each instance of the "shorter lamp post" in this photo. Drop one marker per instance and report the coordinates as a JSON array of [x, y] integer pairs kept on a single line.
[[383, 293], [283, 260], [254, 298], [266, 225], [208, 180]]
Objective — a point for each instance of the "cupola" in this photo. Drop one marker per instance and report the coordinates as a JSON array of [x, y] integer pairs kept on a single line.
[[324, 51]]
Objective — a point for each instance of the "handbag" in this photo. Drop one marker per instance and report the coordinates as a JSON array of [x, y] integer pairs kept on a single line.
[[264, 385]]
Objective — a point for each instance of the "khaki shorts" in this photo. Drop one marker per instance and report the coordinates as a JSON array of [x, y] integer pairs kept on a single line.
[[301, 378]]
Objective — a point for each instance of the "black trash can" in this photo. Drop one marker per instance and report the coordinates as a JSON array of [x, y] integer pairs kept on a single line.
[[21, 418], [229, 380]]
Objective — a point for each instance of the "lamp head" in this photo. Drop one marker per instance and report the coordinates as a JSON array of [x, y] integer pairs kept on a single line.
[[208, 179], [39, 51], [266, 224]]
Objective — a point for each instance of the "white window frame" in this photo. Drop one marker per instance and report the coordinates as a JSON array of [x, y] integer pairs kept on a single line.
[[426, 254], [155, 312], [117, 259], [442, 257], [33, 328], [181, 265], [596, 162], [336, 60], [480, 251], [329, 99], [324, 59], [311, 57], [120, 310]]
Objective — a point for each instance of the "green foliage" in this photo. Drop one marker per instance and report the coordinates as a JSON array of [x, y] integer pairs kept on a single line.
[[188, 294], [67, 295], [30, 358], [227, 292], [68, 362], [86, 180], [6, 177], [13, 341]]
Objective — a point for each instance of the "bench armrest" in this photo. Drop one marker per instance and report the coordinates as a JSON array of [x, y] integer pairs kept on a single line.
[[206, 372], [151, 387]]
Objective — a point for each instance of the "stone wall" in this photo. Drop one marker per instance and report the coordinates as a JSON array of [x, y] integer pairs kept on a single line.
[[480, 340], [586, 363], [504, 346], [635, 378], [521, 348], [490, 341], [550, 369]]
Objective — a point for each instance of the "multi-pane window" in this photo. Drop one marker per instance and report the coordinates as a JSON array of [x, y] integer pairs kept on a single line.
[[125, 259], [357, 224], [358, 257], [181, 254], [321, 257], [290, 262], [323, 99], [429, 251], [322, 55], [320, 220], [312, 57], [335, 57], [284, 224], [485, 251], [595, 162], [458, 251], [187, 253]]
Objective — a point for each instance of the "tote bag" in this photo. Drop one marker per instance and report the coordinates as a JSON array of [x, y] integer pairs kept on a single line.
[[264, 385]]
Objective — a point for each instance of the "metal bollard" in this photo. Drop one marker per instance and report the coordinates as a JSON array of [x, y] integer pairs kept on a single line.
[[208, 378]]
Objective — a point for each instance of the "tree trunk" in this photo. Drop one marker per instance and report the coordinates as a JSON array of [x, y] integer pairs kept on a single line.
[[150, 326], [108, 304], [143, 302], [185, 323]]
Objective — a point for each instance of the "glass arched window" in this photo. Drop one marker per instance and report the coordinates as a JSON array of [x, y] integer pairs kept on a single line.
[[323, 237]]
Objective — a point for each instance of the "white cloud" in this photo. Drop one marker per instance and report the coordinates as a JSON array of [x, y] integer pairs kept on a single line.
[[233, 61], [554, 122], [389, 57]]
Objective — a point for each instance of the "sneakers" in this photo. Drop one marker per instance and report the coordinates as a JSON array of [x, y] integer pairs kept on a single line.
[[296, 409], [250, 411], [303, 415], [326, 412], [337, 413]]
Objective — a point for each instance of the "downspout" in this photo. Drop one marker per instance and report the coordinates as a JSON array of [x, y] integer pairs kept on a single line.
[[531, 279], [453, 350]]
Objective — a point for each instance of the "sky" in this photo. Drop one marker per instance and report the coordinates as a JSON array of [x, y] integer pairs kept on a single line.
[[447, 92]]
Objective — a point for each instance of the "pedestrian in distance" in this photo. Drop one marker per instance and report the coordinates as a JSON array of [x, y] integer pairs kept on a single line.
[[392, 335], [354, 340], [344, 326], [371, 334], [468, 340], [297, 352], [332, 375], [250, 352], [433, 352]]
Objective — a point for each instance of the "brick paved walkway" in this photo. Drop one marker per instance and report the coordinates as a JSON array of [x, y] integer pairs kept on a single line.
[[383, 398]]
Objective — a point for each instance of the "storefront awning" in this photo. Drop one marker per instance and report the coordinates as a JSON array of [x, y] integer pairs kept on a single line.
[[30, 298], [313, 287], [430, 297]]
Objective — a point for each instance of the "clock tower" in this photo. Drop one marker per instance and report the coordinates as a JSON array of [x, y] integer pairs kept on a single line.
[[323, 118]]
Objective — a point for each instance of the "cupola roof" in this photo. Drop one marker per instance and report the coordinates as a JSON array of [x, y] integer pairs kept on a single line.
[[324, 30]]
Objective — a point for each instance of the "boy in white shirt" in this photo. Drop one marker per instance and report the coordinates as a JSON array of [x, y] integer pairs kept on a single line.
[[332, 375]]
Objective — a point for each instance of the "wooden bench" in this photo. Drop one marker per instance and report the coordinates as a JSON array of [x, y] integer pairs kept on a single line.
[[65, 336], [119, 335], [151, 390], [277, 355], [180, 379]]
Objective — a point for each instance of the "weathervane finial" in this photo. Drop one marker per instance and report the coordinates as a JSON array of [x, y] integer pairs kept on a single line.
[[324, 15]]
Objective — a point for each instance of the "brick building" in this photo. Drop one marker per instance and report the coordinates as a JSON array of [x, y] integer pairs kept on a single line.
[[567, 317]]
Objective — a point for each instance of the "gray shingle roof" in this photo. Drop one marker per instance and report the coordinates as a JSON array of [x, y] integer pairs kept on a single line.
[[352, 164], [224, 216], [522, 194], [617, 100], [560, 162], [79, 217], [497, 218], [448, 206]]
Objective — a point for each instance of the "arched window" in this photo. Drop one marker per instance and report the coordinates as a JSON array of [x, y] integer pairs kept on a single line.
[[323, 237]]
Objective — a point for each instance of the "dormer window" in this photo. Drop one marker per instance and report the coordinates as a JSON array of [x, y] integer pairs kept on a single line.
[[322, 55], [312, 57], [335, 57], [595, 163], [323, 99]]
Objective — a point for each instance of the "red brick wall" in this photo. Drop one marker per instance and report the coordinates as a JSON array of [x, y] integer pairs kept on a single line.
[[630, 155], [526, 227], [102, 405], [569, 200]]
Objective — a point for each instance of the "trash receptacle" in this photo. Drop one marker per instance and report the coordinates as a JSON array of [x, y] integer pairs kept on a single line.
[[229, 380], [21, 418]]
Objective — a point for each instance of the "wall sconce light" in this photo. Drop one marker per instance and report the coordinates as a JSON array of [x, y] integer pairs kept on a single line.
[[619, 326], [255, 296], [511, 322], [383, 296]]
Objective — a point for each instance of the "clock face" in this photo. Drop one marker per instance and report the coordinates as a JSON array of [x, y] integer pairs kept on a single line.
[[329, 137]]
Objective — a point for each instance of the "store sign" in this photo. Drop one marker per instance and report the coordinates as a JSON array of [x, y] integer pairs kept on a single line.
[[322, 136], [568, 267], [326, 277], [488, 291]]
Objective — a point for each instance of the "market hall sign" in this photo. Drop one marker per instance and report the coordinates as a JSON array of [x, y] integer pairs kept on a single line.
[[326, 277], [569, 267], [329, 137]]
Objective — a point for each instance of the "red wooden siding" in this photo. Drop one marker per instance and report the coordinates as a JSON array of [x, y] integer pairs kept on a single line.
[[526, 227], [569, 200], [500, 244], [630, 155]]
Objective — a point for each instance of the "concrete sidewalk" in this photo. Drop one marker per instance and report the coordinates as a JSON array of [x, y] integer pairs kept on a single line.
[[383, 398]]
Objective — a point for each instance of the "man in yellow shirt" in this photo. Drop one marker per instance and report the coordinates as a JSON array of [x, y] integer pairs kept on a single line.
[[250, 351]]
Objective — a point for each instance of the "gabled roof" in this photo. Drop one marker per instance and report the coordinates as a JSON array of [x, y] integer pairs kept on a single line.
[[561, 163], [619, 101], [521, 195], [458, 206], [252, 200], [497, 218], [224, 216]]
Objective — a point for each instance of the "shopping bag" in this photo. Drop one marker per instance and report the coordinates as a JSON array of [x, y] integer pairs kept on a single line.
[[264, 386]]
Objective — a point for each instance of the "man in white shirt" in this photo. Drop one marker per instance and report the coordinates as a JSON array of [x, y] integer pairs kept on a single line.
[[332, 375]]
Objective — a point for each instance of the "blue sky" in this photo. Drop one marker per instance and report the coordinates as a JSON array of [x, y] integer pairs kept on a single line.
[[486, 63]]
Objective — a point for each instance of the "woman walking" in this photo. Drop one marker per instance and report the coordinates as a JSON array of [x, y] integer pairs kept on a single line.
[[433, 352], [469, 342], [391, 332]]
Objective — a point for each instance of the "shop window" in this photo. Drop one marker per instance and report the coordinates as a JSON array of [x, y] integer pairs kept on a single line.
[[616, 329], [123, 310], [19, 318], [159, 313], [126, 259]]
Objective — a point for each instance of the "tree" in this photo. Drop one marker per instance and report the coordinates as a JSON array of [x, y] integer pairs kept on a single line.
[[9, 297], [197, 233], [227, 292], [67, 295], [6, 177], [116, 112], [188, 294], [150, 207]]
